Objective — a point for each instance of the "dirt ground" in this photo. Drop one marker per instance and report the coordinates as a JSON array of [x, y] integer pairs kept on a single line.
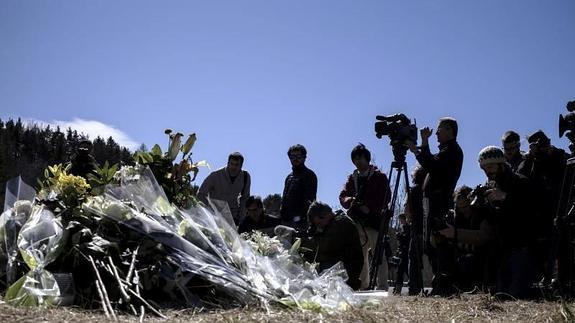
[[392, 309]]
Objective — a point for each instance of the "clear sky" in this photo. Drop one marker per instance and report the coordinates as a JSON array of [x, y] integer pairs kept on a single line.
[[259, 76]]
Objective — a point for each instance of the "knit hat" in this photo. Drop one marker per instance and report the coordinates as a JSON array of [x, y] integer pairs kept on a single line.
[[491, 155]]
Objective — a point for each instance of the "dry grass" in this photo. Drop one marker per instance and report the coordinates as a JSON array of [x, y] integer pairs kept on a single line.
[[393, 309]]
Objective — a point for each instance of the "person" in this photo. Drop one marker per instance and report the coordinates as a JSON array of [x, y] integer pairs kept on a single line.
[[545, 165], [414, 212], [465, 244], [443, 171], [511, 143], [511, 198], [83, 163], [256, 219], [230, 184], [300, 190], [365, 196], [331, 238], [403, 238]]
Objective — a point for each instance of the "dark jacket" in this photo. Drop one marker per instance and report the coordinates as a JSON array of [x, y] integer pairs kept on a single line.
[[414, 209], [83, 165], [265, 225], [372, 191], [514, 218], [403, 238], [443, 170], [339, 241], [546, 174], [517, 162], [473, 232], [300, 191]]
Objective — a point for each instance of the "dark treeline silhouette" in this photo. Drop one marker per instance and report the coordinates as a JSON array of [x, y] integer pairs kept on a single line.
[[27, 149]]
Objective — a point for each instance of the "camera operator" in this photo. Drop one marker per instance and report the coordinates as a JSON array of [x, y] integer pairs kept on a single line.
[[443, 170], [414, 212], [512, 204], [462, 245], [544, 166], [331, 238], [365, 195]]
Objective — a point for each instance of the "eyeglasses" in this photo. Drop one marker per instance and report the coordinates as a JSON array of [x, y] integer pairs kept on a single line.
[[294, 157]]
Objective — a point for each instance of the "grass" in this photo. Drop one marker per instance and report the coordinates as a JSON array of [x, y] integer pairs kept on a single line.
[[394, 309]]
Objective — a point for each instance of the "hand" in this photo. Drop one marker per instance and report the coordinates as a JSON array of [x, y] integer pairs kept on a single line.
[[448, 232], [425, 133], [495, 195]]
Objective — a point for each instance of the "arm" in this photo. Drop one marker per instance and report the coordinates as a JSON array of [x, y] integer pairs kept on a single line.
[[310, 190], [475, 237], [245, 194], [347, 193], [206, 188]]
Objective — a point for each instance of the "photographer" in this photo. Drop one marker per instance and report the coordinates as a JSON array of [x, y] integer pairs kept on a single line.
[[443, 170], [332, 238], [544, 165], [462, 245], [365, 196], [512, 203]]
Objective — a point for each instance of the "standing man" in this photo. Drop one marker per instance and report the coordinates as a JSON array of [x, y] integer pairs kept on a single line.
[[230, 184], [300, 190], [365, 196], [443, 170], [545, 165], [512, 148]]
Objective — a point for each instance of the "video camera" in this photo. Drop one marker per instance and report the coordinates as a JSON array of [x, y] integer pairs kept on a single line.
[[567, 125], [399, 129]]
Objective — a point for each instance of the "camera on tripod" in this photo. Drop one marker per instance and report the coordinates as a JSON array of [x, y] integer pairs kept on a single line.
[[399, 129], [567, 125]]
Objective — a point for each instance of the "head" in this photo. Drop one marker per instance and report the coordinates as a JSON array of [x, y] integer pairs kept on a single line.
[[255, 208], [418, 176], [511, 143], [360, 156], [320, 214], [235, 163], [539, 143], [84, 147], [446, 130], [297, 155], [492, 161], [462, 198]]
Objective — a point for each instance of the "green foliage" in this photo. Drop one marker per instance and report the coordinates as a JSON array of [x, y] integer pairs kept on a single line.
[[174, 176], [104, 176]]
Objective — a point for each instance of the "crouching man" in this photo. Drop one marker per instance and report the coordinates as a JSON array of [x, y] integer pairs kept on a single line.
[[331, 238]]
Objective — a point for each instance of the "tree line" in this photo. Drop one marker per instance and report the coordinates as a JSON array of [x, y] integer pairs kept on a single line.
[[27, 149]]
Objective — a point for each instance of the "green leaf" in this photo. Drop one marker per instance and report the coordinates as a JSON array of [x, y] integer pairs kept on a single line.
[[157, 150]]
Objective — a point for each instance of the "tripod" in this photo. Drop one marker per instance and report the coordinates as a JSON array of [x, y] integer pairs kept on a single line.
[[400, 165]]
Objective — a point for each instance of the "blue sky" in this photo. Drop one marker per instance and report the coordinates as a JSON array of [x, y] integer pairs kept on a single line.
[[259, 76]]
